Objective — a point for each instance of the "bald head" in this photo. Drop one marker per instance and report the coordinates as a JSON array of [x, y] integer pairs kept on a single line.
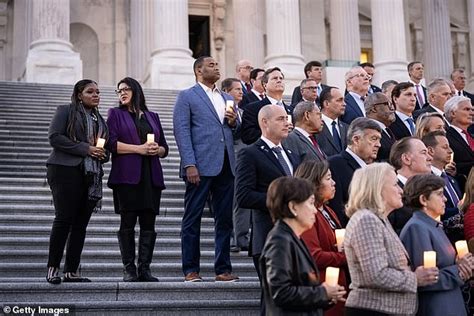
[[273, 122], [243, 69]]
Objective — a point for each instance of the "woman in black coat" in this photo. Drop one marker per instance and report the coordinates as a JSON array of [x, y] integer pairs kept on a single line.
[[75, 177], [291, 284]]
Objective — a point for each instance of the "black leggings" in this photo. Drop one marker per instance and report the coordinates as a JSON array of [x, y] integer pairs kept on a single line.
[[146, 219]]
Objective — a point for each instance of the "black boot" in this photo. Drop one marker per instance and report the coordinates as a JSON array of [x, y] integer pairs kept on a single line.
[[145, 254], [126, 240]]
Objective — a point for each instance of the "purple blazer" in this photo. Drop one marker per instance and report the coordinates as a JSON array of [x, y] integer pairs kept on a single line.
[[126, 168]]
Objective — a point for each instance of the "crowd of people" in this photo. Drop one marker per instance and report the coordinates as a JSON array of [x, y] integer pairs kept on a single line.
[[358, 180]]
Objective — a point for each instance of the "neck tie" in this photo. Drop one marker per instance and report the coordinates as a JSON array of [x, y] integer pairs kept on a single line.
[[261, 95], [411, 123], [279, 103], [389, 133], [419, 95], [318, 90], [277, 150], [316, 146], [248, 86], [469, 138], [362, 98], [460, 93], [335, 136], [449, 187]]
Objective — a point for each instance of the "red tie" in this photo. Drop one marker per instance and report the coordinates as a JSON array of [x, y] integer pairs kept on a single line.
[[318, 149], [248, 86], [470, 140]]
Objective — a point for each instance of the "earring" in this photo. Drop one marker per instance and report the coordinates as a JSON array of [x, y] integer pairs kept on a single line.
[[294, 214]]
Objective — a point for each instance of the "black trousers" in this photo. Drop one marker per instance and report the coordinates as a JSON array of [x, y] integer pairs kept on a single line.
[[146, 220], [353, 311], [72, 215]]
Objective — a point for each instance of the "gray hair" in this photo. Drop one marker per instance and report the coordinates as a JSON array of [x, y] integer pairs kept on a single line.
[[301, 108], [452, 105], [373, 99], [436, 84], [305, 81], [358, 127], [350, 73], [387, 84]]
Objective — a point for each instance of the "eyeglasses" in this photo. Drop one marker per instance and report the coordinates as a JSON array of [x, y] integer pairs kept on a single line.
[[247, 67], [387, 104], [311, 88], [123, 90], [361, 76]]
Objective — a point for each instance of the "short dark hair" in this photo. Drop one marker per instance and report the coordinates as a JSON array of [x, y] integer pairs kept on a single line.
[[360, 125], [311, 64], [325, 95], [283, 191], [227, 83], [400, 147], [268, 72], [367, 64], [138, 102], [413, 63], [313, 171], [387, 84], [254, 73], [199, 62], [420, 185], [429, 139], [397, 90]]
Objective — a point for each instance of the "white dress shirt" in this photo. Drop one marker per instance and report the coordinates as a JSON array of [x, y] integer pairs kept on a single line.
[[216, 99], [283, 152], [358, 100]]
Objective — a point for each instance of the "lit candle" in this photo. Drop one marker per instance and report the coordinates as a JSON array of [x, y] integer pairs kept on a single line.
[[461, 247], [332, 276], [429, 259], [229, 106], [438, 218], [452, 158], [340, 233], [290, 119], [150, 138], [100, 143]]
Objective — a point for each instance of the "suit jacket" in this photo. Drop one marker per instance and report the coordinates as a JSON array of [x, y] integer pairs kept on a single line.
[[468, 95], [126, 169], [381, 279], [301, 146], [247, 99], [296, 97], [386, 144], [463, 155], [67, 152], [352, 110], [419, 106], [450, 208], [422, 233], [290, 281], [400, 216], [342, 168], [201, 137], [375, 88], [257, 167], [428, 109], [399, 128], [250, 128], [326, 141]]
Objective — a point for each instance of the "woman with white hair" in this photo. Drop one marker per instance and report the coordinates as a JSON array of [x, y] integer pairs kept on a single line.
[[382, 282], [459, 113]]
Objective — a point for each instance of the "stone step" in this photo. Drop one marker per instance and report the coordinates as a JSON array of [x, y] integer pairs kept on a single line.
[[114, 269], [173, 189]]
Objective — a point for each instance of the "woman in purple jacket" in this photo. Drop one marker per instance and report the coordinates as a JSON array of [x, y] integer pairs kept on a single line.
[[136, 177]]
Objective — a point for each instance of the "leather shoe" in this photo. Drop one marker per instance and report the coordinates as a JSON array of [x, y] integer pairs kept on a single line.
[[192, 277], [53, 276], [74, 277], [234, 249], [226, 277]]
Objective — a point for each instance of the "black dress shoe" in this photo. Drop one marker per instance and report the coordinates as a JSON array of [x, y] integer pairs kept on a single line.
[[234, 249], [73, 277], [53, 276]]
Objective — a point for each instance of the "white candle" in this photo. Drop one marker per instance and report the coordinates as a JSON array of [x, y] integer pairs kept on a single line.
[[290, 119], [332, 276], [452, 158], [150, 138], [229, 106], [100, 143], [429, 259], [461, 247], [340, 233]]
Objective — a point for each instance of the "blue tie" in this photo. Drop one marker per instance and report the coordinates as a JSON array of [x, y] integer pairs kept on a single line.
[[335, 136], [449, 187], [277, 150], [411, 123]]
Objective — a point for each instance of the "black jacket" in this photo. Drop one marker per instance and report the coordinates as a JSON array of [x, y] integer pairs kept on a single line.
[[291, 284]]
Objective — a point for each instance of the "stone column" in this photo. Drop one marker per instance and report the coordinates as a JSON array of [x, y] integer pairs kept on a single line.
[[248, 31], [345, 40], [437, 47], [470, 71], [51, 58], [284, 40], [141, 36], [390, 52], [171, 64]]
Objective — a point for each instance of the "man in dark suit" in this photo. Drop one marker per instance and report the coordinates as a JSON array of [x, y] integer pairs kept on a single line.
[[459, 111], [273, 82], [308, 89], [301, 140], [404, 99], [332, 139], [416, 73], [242, 72], [204, 131], [459, 81], [257, 91], [312, 70], [363, 143], [409, 156], [357, 85], [379, 108], [370, 70], [438, 93], [257, 166]]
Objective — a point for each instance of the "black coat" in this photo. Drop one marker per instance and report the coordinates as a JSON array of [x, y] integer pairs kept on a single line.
[[400, 216], [291, 284], [386, 144], [399, 128], [326, 141], [257, 167], [463, 155], [247, 99]]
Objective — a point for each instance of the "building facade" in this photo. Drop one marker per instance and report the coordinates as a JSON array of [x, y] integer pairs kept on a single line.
[[156, 41]]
